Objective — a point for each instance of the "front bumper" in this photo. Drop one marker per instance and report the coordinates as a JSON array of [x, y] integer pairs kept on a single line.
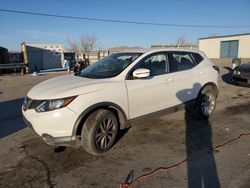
[[240, 76], [55, 127], [59, 141], [27, 122], [54, 141], [241, 81]]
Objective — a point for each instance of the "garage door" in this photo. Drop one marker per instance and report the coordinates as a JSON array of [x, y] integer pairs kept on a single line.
[[229, 49]]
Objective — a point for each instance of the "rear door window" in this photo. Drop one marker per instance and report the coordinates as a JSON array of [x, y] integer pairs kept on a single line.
[[197, 57], [183, 60]]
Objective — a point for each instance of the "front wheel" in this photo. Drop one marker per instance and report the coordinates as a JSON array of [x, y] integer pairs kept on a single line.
[[206, 102], [99, 132]]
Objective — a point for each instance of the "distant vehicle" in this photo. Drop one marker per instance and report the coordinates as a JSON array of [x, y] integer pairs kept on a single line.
[[118, 90], [241, 74]]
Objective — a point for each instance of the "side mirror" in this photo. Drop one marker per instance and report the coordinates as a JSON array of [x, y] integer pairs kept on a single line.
[[141, 73]]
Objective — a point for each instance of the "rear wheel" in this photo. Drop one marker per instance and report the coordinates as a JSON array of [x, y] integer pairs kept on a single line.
[[99, 132], [206, 102]]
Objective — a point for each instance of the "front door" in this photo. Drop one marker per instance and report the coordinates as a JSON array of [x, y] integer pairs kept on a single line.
[[154, 93]]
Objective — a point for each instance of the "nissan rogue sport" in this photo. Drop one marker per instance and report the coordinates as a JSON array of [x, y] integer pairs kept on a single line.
[[115, 92]]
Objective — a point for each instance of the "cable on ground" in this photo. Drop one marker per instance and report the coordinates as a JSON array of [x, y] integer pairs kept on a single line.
[[170, 168]]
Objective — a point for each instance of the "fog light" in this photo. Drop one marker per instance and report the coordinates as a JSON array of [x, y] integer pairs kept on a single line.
[[46, 136]]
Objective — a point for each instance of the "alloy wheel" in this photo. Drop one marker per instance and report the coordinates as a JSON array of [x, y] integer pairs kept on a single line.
[[105, 133], [208, 104]]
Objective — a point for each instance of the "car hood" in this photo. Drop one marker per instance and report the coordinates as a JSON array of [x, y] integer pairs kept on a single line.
[[65, 86], [244, 67]]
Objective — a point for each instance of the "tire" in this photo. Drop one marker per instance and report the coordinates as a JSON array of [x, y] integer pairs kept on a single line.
[[206, 102], [99, 132]]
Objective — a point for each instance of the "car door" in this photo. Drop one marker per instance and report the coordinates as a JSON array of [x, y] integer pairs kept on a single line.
[[153, 93], [185, 76]]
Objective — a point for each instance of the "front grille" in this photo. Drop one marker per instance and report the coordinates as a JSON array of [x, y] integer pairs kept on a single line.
[[245, 75]]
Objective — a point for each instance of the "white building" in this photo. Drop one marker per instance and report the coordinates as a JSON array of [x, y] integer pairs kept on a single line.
[[228, 46]]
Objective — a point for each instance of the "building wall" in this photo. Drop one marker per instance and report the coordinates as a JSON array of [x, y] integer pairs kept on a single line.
[[52, 55], [192, 47], [34, 57], [103, 53], [244, 47], [4, 55], [94, 55], [211, 46], [44, 56]]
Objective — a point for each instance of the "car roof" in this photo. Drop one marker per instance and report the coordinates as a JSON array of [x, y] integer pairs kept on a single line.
[[150, 50]]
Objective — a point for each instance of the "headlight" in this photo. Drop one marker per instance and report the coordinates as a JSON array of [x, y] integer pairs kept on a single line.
[[49, 105], [236, 72]]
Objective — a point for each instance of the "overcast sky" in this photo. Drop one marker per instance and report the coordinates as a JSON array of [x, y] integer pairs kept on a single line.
[[17, 28]]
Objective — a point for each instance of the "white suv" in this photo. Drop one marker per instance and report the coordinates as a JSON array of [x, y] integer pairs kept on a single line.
[[114, 92]]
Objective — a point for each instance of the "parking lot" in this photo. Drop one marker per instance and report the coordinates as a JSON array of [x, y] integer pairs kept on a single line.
[[181, 148]]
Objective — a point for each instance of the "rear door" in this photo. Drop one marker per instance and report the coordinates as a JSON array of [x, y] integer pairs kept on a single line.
[[187, 75]]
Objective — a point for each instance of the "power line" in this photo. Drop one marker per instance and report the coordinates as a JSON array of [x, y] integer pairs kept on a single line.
[[191, 2], [123, 21], [135, 8]]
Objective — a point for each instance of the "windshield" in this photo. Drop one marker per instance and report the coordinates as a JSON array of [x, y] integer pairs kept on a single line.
[[110, 66]]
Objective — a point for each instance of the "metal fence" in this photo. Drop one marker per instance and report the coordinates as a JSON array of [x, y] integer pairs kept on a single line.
[[12, 66]]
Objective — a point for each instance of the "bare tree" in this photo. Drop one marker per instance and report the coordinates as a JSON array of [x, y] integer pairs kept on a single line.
[[74, 46], [181, 41], [88, 43], [82, 49]]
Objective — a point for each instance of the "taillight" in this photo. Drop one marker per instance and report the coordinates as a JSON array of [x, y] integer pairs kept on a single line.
[[216, 68]]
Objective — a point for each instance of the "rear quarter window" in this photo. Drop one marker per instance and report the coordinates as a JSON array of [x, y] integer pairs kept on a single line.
[[197, 57]]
